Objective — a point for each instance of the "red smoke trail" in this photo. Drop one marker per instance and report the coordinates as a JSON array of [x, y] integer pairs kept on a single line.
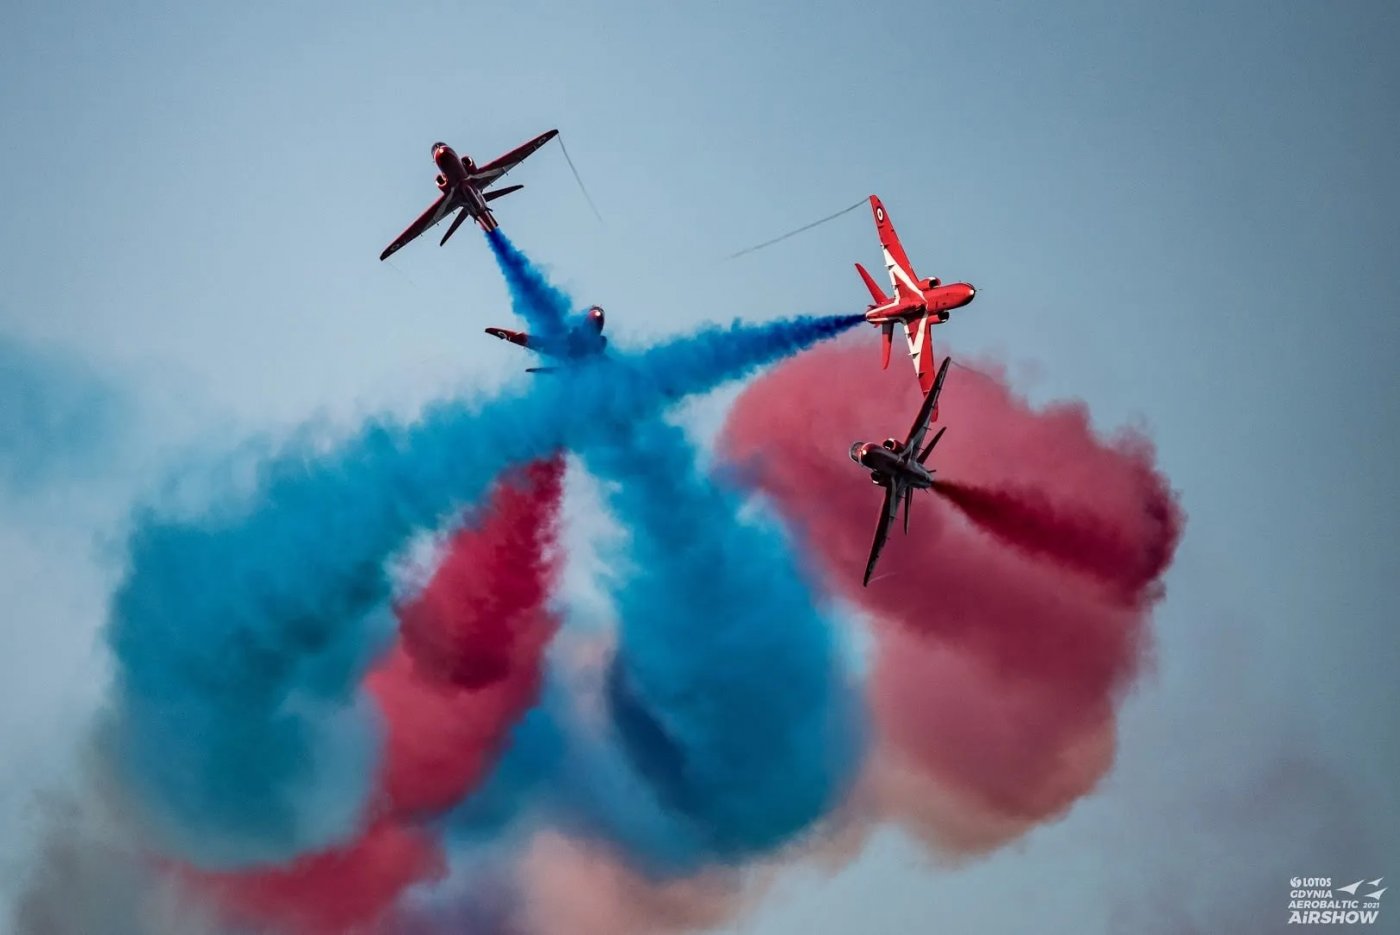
[[467, 665], [465, 628], [1026, 519], [998, 678], [472, 646], [340, 890]]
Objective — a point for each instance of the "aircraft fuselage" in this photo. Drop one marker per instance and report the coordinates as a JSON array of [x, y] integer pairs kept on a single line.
[[936, 300], [579, 341], [454, 180], [583, 339], [887, 462]]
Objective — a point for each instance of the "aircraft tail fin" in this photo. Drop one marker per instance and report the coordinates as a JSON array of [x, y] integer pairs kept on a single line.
[[492, 196]]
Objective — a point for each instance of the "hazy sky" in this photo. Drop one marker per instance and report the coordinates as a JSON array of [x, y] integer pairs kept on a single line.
[[1187, 214]]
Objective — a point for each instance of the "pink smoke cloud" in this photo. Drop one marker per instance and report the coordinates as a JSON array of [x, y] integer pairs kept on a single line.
[[999, 658], [583, 888]]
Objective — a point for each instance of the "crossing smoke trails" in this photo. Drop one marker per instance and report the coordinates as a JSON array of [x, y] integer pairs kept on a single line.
[[241, 637], [724, 687], [467, 666], [313, 751]]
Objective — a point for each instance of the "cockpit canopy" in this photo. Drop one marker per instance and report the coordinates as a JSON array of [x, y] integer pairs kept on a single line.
[[595, 317]]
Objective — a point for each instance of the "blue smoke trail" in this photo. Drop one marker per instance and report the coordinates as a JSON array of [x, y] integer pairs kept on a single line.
[[588, 782], [56, 417], [727, 691], [545, 308], [241, 637], [562, 767]]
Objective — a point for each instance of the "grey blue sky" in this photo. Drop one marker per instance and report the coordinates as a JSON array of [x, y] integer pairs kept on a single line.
[[1187, 214]]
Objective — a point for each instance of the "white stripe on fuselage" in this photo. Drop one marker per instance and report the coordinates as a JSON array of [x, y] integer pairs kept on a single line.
[[915, 337], [898, 273]]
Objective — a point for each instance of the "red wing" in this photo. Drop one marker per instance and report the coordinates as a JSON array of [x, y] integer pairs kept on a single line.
[[491, 173], [902, 276], [514, 337], [436, 212], [919, 335]]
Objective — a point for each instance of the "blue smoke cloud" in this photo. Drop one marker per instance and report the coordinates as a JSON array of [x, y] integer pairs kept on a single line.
[[240, 637], [731, 728], [633, 783], [57, 418], [533, 759], [726, 691]]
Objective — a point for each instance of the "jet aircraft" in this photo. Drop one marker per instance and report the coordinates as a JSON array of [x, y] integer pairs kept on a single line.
[[464, 186], [918, 304], [899, 467], [584, 339]]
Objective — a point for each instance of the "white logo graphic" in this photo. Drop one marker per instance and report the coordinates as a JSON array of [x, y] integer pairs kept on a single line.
[[1315, 901]]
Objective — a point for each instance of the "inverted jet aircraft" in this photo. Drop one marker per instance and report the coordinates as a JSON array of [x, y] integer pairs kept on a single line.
[[918, 304], [899, 467], [572, 342], [464, 187]]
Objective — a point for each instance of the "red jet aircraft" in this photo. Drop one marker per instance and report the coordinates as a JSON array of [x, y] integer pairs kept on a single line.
[[463, 185], [918, 304], [570, 342]]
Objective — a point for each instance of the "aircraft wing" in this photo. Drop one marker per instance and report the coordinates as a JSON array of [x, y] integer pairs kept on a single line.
[[918, 334], [882, 530], [436, 212], [492, 172], [919, 429], [902, 276], [514, 337], [545, 345]]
